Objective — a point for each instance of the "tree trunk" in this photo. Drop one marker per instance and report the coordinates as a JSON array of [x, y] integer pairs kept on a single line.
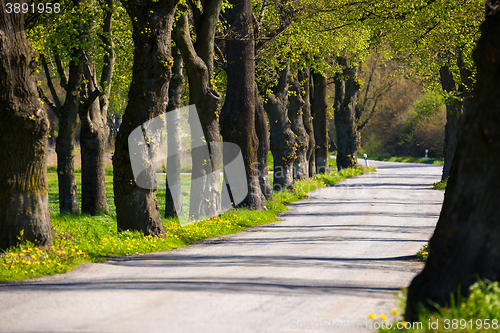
[[174, 138], [465, 244], [346, 95], [237, 119], [304, 77], [93, 136], [295, 113], [454, 110], [262, 130], [94, 129], [453, 116], [24, 126], [205, 199], [137, 208], [320, 122], [65, 143], [282, 139]]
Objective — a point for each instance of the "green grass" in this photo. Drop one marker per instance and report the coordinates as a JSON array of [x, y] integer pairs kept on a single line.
[[84, 238], [476, 313], [441, 185], [404, 159], [423, 253]]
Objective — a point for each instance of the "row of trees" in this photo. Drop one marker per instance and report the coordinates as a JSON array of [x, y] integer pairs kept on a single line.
[[277, 57]]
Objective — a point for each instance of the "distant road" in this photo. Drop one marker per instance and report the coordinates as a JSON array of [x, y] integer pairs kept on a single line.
[[334, 258]]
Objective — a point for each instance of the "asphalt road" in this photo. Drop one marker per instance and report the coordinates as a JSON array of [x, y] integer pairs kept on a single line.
[[334, 258]]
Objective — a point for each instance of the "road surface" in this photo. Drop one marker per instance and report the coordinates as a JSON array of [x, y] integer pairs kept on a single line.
[[335, 258]]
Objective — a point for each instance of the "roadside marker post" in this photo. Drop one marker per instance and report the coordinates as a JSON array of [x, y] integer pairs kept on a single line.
[[426, 152], [366, 160]]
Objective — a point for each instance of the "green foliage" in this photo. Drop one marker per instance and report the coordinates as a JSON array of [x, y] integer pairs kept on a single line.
[[406, 125], [476, 313], [441, 185], [423, 253], [424, 129]]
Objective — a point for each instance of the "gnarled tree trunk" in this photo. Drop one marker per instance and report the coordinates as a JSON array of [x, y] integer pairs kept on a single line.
[[237, 118], [305, 79], [23, 142], [262, 130], [137, 208], [199, 61], [295, 113], [95, 131], [282, 138], [320, 122], [346, 95], [454, 110], [65, 142], [174, 137], [465, 245]]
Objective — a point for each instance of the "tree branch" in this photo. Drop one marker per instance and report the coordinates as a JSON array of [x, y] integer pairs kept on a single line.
[[60, 69], [50, 83]]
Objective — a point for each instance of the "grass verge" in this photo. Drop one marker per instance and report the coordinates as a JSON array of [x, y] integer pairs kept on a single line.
[[476, 313], [84, 238], [405, 159], [441, 185]]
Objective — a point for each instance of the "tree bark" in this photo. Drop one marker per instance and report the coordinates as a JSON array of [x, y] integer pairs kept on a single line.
[[262, 130], [282, 138], [137, 208], [454, 110], [93, 137], [24, 126], [304, 77], [174, 137], [65, 142], [198, 60], [237, 119], [453, 116], [346, 95], [94, 128], [465, 244], [320, 122], [295, 113]]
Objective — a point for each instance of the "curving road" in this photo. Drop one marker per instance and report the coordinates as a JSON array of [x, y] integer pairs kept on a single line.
[[334, 258]]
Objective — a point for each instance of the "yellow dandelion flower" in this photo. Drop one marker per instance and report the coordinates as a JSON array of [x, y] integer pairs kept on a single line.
[[372, 316], [383, 317], [394, 311]]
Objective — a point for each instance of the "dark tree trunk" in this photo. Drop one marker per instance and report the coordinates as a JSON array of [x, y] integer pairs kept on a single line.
[[304, 77], [346, 95], [454, 110], [137, 208], [174, 137], [198, 61], [262, 130], [320, 122], [453, 116], [23, 142], [65, 143], [93, 136], [237, 118], [295, 113], [94, 128], [282, 138], [465, 245]]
